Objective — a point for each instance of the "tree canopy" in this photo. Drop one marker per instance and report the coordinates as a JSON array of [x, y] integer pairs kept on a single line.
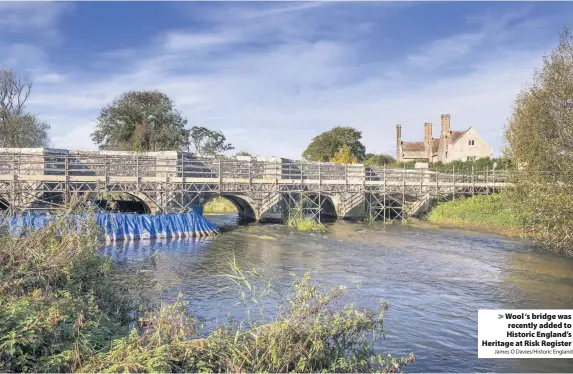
[[208, 142], [378, 160], [344, 156], [19, 128], [324, 146], [141, 121]]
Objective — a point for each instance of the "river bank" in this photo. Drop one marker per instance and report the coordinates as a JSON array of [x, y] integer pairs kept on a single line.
[[496, 214]]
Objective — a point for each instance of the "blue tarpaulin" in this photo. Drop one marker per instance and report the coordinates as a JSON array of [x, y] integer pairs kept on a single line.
[[121, 226]]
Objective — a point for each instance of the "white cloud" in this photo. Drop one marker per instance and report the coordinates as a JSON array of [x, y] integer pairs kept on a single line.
[[23, 16], [76, 137]]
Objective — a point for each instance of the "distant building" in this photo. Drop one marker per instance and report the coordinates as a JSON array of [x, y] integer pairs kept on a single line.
[[465, 145]]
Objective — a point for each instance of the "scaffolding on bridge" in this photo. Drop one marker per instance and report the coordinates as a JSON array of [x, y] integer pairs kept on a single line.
[[175, 181]]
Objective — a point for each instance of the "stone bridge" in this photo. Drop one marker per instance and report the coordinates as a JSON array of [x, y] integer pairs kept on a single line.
[[260, 188]]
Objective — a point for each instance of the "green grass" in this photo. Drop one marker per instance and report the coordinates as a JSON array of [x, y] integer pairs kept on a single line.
[[493, 213], [63, 308], [219, 205], [305, 223]]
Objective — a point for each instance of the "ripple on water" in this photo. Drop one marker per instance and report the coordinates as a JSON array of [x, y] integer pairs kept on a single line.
[[435, 280]]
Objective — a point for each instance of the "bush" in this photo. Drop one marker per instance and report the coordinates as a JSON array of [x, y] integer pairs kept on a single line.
[[63, 309], [59, 300], [303, 223], [306, 337]]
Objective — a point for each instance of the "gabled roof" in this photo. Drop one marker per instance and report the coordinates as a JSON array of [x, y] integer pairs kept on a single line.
[[458, 134], [413, 147]]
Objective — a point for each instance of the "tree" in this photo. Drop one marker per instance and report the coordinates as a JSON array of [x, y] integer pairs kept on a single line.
[[324, 146], [540, 139], [540, 131], [378, 160], [19, 128], [208, 142], [141, 121], [344, 156]]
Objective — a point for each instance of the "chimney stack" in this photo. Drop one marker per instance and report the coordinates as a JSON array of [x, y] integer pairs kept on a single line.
[[445, 131], [427, 131], [398, 142]]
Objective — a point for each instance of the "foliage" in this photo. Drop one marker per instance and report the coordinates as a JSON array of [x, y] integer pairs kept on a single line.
[[499, 213], [141, 121], [344, 156], [242, 153], [481, 164], [306, 336], [219, 205], [324, 146], [208, 142], [305, 223], [59, 300], [19, 128], [62, 309], [540, 139], [378, 160]]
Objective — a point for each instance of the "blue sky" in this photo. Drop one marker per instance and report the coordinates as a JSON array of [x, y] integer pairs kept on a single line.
[[272, 75]]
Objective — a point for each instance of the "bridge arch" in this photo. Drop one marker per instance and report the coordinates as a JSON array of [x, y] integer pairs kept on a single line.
[[319, 205], [4, 204], [130, 202], [247, 208]]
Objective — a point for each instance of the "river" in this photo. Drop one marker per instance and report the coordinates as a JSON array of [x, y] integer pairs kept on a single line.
[[434, 280]]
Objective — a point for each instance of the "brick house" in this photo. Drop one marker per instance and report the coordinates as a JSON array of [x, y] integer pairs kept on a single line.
[[465, 145]]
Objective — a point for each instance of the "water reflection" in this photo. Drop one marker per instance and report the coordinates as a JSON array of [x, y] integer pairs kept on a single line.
[[434, 280]]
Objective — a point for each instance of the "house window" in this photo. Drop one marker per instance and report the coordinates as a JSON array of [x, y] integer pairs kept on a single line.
[[471, 158], [471, 142]]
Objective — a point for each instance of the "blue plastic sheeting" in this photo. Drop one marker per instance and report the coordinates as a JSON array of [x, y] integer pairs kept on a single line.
[[119, 226]]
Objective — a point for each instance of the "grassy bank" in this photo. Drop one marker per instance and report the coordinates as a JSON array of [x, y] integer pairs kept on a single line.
[[305, 223], [64, 309], [496, 213], [219, 205]]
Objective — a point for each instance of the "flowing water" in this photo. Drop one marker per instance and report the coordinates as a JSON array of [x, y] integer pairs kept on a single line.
[[434, 280]]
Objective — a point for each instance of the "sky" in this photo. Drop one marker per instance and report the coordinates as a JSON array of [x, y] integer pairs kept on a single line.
[[272, 75]]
